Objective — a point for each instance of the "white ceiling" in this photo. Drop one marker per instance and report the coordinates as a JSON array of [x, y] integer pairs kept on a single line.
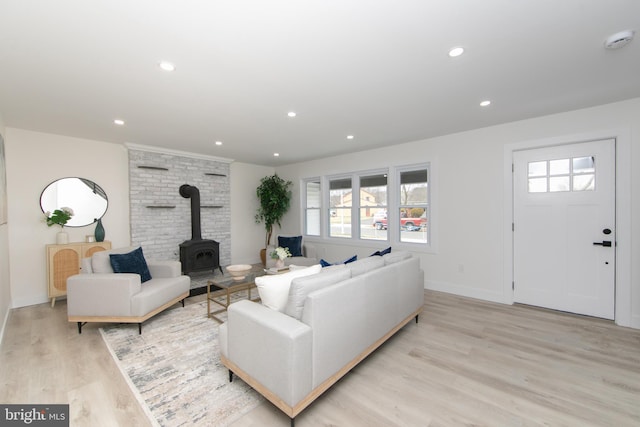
[[375, 69]]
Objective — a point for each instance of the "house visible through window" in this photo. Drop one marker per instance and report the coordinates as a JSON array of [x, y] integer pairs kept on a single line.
[[413, 206], [340, 203], [392, 205], [373, 207]]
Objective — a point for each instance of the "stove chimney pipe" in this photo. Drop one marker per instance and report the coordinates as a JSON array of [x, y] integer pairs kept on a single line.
[[189, 191]]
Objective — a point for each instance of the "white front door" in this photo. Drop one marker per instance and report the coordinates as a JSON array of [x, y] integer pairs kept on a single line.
[[564, 227]]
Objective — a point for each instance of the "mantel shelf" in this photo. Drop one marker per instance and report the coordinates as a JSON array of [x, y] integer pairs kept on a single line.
[[161, 206], [157, 168]]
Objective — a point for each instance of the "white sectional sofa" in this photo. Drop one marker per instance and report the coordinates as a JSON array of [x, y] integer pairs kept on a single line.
[[331, 322]]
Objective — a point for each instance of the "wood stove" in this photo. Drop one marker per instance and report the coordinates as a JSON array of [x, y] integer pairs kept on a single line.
[[197, 254]]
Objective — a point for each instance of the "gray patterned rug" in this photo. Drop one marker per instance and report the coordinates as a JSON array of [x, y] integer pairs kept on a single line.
[[174, 368]]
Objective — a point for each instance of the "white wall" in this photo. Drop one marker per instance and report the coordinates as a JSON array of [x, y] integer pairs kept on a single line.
[[469, 204], [247, 237], [33, 161], [5, 286]]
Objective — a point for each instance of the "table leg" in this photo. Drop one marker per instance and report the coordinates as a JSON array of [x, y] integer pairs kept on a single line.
[[209, 299]]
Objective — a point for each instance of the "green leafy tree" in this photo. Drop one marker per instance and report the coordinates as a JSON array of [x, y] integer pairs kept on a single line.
[[274, 195]]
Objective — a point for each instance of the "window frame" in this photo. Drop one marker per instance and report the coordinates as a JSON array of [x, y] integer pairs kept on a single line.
[[306, 208], [393, 206]]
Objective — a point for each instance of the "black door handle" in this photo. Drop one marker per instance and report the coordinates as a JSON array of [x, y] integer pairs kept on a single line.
[[605, 243]]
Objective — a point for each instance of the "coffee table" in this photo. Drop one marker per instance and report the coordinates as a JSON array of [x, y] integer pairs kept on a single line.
[[228, 287]]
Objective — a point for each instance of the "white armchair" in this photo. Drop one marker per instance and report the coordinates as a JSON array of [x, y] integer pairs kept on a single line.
[[99, 294], [308, 251]]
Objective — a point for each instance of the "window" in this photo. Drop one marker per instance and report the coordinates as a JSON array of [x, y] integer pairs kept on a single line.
[[312, 209], [340, 203], [413, 205], [373, 207], [390, 206], [550, 176]]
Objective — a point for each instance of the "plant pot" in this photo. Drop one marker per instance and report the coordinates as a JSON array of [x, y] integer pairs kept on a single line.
[[62, 238], [263, 256]]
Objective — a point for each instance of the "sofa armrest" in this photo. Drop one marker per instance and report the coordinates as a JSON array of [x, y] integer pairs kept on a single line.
[[310, 251], [164, 269], [101, 294], [272, 348]]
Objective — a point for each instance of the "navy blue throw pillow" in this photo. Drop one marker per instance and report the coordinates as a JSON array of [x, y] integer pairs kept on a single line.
[[353, 258], [382, 252], [133, 262], [293, 243], [324, 263]]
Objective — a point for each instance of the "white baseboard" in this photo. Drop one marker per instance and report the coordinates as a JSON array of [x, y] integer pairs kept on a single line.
[[33, 300], [4, 325], [465, 291], [635, 321]]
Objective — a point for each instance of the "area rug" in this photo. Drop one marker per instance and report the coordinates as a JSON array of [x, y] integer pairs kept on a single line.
[[175, 371]]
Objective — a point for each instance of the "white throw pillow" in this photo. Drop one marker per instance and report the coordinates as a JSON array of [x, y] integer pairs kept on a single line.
[[274, 289]]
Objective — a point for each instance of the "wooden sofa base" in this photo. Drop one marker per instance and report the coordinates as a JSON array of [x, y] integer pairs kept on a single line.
[[293, 411], [126, 319]]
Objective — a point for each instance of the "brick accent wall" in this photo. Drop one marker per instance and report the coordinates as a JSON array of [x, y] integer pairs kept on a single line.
[[161, 217]]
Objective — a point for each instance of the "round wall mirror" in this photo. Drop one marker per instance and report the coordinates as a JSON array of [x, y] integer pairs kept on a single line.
[[86, 198]]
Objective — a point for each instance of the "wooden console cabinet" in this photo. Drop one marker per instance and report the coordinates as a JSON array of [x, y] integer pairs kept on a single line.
[[64, 261]]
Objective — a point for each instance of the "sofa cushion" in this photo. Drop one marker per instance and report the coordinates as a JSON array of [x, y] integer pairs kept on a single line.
[[364, 265], [132, 262], [274, 289], [303, 286], [101, 263], [394, 257], [293, 243]]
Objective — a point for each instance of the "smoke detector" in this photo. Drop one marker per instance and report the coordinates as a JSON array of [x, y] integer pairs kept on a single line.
[[618, 40]]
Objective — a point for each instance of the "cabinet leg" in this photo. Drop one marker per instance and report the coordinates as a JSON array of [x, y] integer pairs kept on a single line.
[[53, 301]]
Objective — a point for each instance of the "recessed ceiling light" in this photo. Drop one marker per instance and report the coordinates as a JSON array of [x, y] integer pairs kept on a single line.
[[276, 154], [618, 40], [218, 142], [167, 66], [118, 122], [456, 51], [291, 114], [350, 136], [485, 103]]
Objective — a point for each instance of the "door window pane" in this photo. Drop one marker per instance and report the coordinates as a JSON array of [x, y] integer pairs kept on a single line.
[[575, 174], [537, 185], [559, 183], [538, 169], [559, 167], [586, 182], [584, 165]]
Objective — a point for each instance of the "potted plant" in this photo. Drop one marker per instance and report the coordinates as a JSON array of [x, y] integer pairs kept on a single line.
[[59, 217], [274, 195]]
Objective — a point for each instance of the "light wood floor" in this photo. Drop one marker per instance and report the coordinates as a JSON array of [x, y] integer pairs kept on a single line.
[[466, 362]]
